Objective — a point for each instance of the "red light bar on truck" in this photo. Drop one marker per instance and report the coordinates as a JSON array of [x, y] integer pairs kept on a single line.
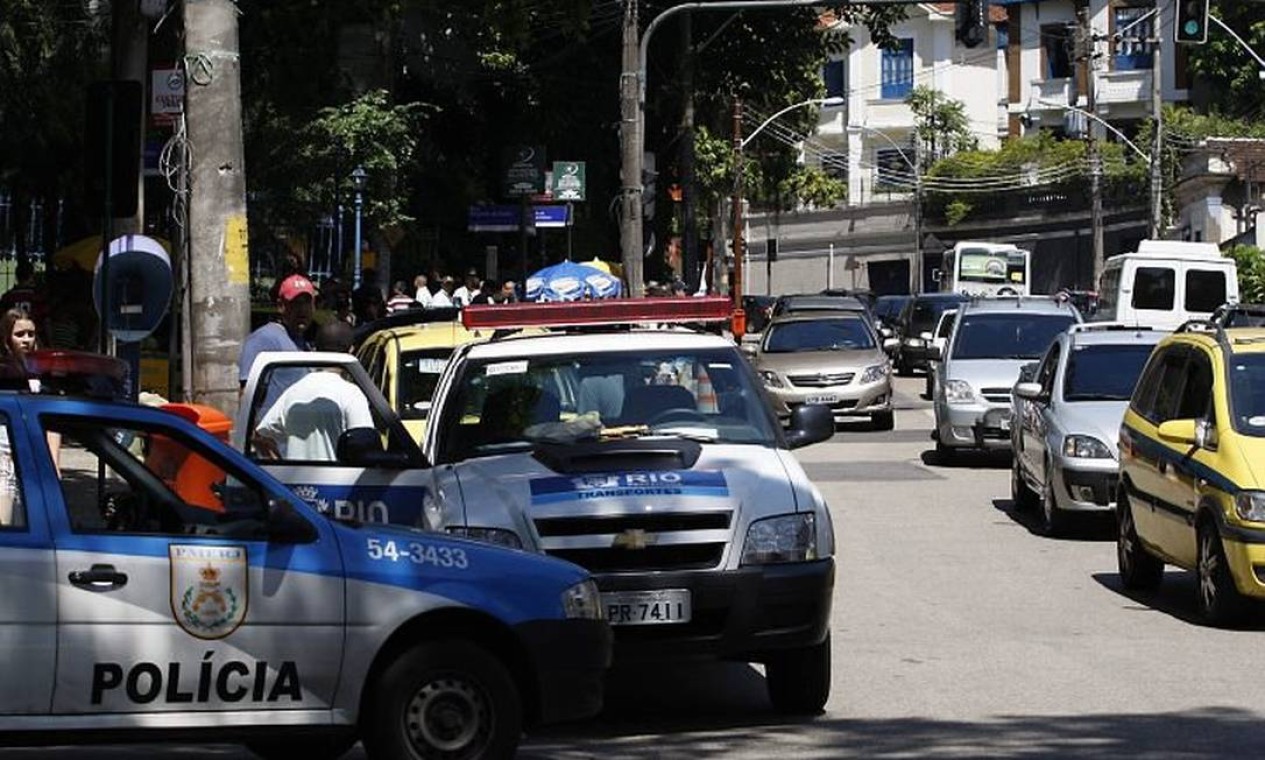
[[621, 311], [78, 373]]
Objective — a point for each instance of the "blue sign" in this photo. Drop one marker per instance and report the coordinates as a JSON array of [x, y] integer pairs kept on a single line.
[[506, 218]]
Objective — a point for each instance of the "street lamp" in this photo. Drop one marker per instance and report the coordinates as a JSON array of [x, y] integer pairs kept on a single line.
[[358, 178], [739, 144]]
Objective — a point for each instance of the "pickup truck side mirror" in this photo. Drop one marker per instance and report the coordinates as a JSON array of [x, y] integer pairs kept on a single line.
[[1031, 391], [810, 423], [362, 447]]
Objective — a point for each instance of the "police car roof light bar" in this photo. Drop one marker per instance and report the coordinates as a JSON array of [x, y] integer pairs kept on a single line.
[[606, 312], [77, 372]]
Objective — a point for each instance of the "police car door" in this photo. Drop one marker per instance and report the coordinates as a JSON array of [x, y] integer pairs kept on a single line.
[[180, 587], [28, 593], [389, 483]]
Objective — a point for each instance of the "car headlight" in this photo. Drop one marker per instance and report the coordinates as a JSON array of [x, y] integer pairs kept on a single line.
[[582, 601], [874, 374], [958, 392], [1250, 505], [915, 342], [771, 379], [1085, 447], [788, 538], [498, 536]]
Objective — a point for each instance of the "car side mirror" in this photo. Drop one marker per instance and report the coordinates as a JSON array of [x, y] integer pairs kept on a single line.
[[891, 344], [362, 447], [935, 352], [286, 525], [925, 335], [748, 349], [1182, 431], [810, 423], [1030, 391]]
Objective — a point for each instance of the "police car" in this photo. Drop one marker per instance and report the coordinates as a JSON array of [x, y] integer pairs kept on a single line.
[[649, 455], [154, 582]]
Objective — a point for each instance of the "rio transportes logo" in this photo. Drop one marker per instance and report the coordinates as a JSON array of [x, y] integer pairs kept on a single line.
[[209, 589]]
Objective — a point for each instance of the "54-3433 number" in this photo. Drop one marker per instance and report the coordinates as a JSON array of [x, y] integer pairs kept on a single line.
[[418, 553]]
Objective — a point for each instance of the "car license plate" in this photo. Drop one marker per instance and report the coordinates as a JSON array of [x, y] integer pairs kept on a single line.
[[647, 607], [825, 398]]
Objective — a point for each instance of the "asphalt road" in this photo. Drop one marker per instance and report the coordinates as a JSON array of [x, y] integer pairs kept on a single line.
[[958, 632]]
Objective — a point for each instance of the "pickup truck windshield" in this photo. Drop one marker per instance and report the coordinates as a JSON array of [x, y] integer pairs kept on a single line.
[[503, 405], [1008, 336]]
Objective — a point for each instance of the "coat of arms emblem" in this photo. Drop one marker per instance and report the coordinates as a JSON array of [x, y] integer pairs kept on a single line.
[[209, 588]]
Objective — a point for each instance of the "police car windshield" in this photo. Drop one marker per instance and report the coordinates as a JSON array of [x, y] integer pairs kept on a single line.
[[1247, 393], [1104, 372], [506, 405], [1008, 335]]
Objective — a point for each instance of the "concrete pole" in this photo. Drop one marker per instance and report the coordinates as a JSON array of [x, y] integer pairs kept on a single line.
[[219, 261], [1091, 150], [1157, 114], [631, 149], [738, 232]]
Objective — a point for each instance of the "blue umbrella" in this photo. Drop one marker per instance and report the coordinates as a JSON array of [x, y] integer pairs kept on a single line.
[[569, 281]]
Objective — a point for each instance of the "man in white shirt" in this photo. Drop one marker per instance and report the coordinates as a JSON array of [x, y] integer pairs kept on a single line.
[[422, 296], [305, 422], [443, 296], [465, 294]]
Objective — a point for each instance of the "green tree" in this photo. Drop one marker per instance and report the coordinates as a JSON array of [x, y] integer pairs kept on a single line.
[[941, 125], [1228, 72], [1250, 262]]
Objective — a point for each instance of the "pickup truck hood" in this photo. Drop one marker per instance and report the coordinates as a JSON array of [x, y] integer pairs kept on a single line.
[[725, 477], [986, 373], [1100, 419]]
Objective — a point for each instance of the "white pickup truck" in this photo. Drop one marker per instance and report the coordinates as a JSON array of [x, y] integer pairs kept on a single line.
[[649, 456]]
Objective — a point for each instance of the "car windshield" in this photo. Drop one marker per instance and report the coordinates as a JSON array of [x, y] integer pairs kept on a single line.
[[1247, 393], [818, 335], [419, 373], [1104, 372], [1007, 336], [510, 404], [889, 306]]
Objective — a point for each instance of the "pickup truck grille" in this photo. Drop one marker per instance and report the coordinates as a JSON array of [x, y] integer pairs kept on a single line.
[[823, 380], [638, 542], [996, 395]]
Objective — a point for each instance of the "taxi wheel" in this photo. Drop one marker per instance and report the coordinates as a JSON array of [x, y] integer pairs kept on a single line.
[[798, 680], [1053, 519], [1020, 494], [944, 454], [322, 747], [1139, 570], [1220, 602], [444, 699]]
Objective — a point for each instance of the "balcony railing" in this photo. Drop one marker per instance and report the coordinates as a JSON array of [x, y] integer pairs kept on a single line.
[[1124, 87], [1052, 90]]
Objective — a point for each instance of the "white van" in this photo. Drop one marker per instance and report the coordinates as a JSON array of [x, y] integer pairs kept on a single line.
[[1165, 283]]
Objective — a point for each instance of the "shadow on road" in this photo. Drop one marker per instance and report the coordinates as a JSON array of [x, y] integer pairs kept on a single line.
[[992, 460], [1175, 597], [1088, 526]]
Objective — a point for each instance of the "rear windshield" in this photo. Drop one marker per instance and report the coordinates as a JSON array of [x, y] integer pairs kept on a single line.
[[419, 374], [1104, 372], [1007, 336], [927, 313]]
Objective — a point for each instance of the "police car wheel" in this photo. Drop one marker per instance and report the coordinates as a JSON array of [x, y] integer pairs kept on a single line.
[[444, 699], [321, 747], [798, 680]]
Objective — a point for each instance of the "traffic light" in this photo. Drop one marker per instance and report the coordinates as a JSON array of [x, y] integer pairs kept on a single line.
[[1192, 22], [112, 135], [972, 22]]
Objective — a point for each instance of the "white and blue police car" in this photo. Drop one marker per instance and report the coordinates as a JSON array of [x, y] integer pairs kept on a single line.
[[649, 455], [155, 583]]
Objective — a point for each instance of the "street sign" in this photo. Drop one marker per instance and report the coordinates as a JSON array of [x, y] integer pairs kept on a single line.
[[568, 181], [525, 171], [504, 218]]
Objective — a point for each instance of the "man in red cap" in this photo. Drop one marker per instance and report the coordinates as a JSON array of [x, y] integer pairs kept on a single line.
[[296, 301]]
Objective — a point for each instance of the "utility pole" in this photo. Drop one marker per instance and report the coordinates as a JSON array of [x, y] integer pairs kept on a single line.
[[1157, 136], [689, 233], [219, 263], [1091, 145], [736, 285], [129, 52], [631, 143], [915, 276]]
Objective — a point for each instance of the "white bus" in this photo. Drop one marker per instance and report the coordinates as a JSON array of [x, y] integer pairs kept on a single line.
[[979, 268]]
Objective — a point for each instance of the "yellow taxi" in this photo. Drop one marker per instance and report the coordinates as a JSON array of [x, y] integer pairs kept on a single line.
[[1192, 468], [404, 363]]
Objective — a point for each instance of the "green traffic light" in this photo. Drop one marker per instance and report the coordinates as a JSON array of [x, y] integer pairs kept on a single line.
[[1191, 27]]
